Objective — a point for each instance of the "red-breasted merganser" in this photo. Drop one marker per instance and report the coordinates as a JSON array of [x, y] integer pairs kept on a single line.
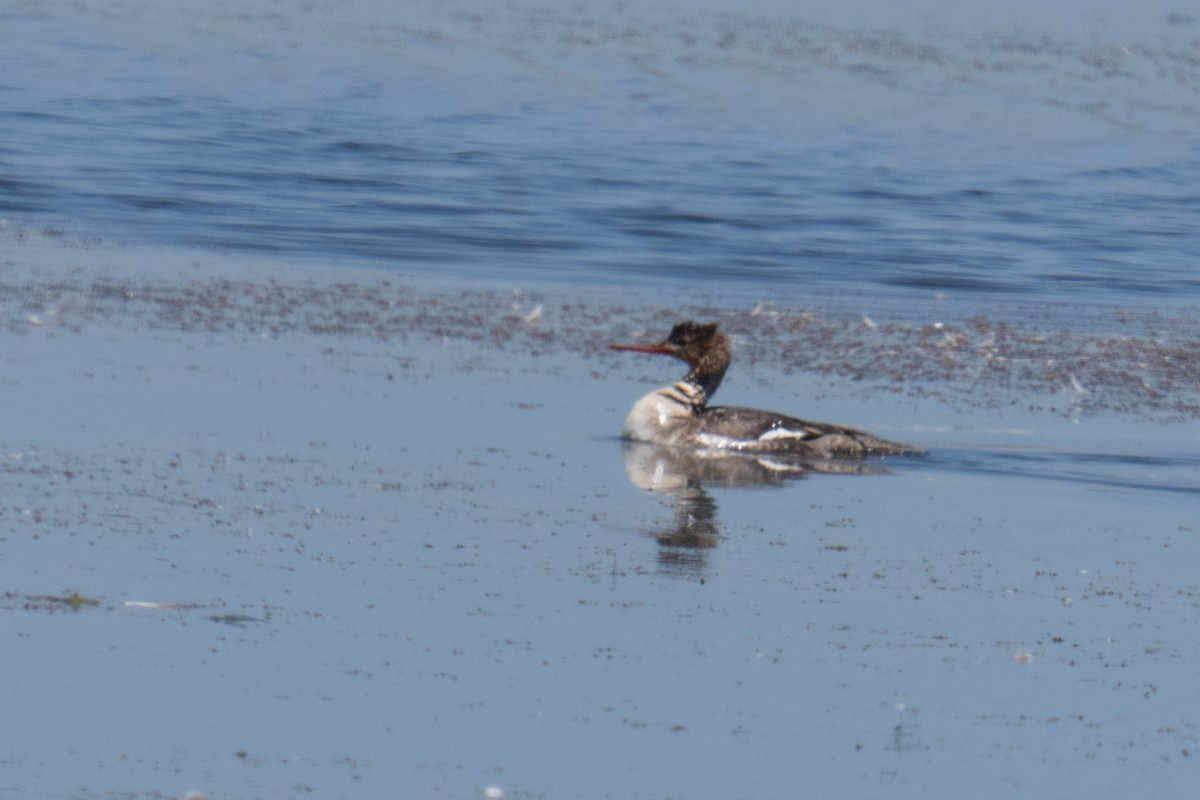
[[679, 415]]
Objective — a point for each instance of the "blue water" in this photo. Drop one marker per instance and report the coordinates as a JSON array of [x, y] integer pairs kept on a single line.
[[830, 155], [359, 560], [438, 583]]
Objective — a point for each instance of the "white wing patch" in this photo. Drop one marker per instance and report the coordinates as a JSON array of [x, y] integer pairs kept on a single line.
[[716, 440], [784, 433]]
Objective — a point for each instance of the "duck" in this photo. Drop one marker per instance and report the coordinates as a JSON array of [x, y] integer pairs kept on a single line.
[[679, 415]]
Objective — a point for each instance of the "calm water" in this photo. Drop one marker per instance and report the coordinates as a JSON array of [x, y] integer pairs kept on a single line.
[[333, 566], [348, 545], [755, 155]]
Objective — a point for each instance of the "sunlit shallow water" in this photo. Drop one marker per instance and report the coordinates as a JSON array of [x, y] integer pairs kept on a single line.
[[348, 564], [304, 321]]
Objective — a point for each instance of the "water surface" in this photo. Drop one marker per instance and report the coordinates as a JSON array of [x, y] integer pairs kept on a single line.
[[895, 154], [305, 314]]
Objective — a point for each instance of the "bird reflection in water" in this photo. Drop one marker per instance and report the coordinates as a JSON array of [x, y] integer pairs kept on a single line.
[[686, 475]]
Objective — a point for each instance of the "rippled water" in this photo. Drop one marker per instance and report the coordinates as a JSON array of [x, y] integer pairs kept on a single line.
[[351, 532], [748, 153]]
